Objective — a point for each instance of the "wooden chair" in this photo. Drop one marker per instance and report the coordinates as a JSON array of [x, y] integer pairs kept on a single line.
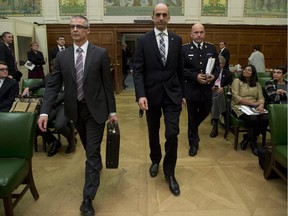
[[17, 132], [278, 128]]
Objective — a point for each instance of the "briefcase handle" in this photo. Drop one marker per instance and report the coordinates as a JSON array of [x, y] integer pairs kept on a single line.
[[112, 127]]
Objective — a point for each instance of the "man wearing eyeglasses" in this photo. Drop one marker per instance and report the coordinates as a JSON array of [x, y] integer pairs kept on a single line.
[[9, 88], [89, 100], [158, 79]]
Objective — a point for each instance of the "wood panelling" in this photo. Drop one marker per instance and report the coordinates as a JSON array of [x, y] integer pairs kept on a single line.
[[240, 40]]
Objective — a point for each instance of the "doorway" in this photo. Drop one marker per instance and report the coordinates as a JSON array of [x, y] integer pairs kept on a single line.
[[128, 41]]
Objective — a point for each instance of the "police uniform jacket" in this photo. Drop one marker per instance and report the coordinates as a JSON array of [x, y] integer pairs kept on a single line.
[[195, 62]]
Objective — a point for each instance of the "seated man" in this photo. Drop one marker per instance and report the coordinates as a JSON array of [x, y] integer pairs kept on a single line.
[[218, 99], [9, 88], [61, 122]]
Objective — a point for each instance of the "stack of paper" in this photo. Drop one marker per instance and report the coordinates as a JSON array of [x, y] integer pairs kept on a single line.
[[250, 110], [210, 66]]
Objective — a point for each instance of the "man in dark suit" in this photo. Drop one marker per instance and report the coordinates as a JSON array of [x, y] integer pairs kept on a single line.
[[9, 88], [89, 99], [60, 47], [158, 79], [218, 98], [6, 55], [198, 82], [225, 53]]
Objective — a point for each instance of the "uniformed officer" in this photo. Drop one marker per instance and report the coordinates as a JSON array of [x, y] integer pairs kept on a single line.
[[198, 81]]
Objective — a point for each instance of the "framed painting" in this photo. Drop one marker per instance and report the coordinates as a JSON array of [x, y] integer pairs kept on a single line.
[[140, 7], [267, 8], [21, 8], [72, 7], [214, 8]]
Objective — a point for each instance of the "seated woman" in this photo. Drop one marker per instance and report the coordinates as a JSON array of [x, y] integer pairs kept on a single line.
[[276, 88], [218, 99], [247, 91]]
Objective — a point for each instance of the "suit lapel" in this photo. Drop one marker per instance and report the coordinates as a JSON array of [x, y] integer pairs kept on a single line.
[[90, 50], [170, 46], [70, 55], [155, 45]]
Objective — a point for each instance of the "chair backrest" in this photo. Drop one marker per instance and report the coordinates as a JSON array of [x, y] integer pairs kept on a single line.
[[263, 80], [17, 134], [264, 74], [277, 114], [32, 84]]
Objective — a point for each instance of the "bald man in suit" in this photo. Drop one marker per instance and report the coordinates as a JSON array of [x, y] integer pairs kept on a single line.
[[89, 100], [158, 79]]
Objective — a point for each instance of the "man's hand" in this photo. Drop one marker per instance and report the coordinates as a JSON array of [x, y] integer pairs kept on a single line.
[[113, 119], [25, 92], [201, 78], [209, 79], [143, 103], [42, 123]]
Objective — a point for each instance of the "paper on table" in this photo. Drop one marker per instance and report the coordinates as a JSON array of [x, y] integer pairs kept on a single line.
[[210, 66], [29, 65]]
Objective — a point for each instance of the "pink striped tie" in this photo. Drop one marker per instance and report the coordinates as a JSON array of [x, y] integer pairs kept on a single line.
[[79, 74]]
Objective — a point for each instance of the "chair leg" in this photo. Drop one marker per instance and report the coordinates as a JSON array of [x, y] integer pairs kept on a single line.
[[35, 144], [264, 139], [268, 170], [31, 183], [236, 134], [8, 206], [44, 145]]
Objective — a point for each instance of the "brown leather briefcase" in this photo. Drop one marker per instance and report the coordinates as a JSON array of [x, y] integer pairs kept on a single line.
[[112, 145]]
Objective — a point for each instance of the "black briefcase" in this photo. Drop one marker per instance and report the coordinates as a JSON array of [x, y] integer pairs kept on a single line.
[[112, 145]]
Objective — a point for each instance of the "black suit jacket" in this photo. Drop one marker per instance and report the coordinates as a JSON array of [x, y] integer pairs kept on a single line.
[[7, 56], [53, 52], [226, 54], [97, 86], [8, 91], [151, 77], [195, 62], [226, 77]]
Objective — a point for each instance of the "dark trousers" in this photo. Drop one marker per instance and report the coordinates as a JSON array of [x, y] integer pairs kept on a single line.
[[197, 112], [171, 114], [258, 123], [91, 135]]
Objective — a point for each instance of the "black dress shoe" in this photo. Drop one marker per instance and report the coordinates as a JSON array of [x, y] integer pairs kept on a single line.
[[173, 185], [193, 150], [154, 169], [86, 208], [54, 148]]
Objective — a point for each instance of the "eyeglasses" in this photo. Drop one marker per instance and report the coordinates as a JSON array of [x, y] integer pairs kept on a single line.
[[3, 69], [78, 27]]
